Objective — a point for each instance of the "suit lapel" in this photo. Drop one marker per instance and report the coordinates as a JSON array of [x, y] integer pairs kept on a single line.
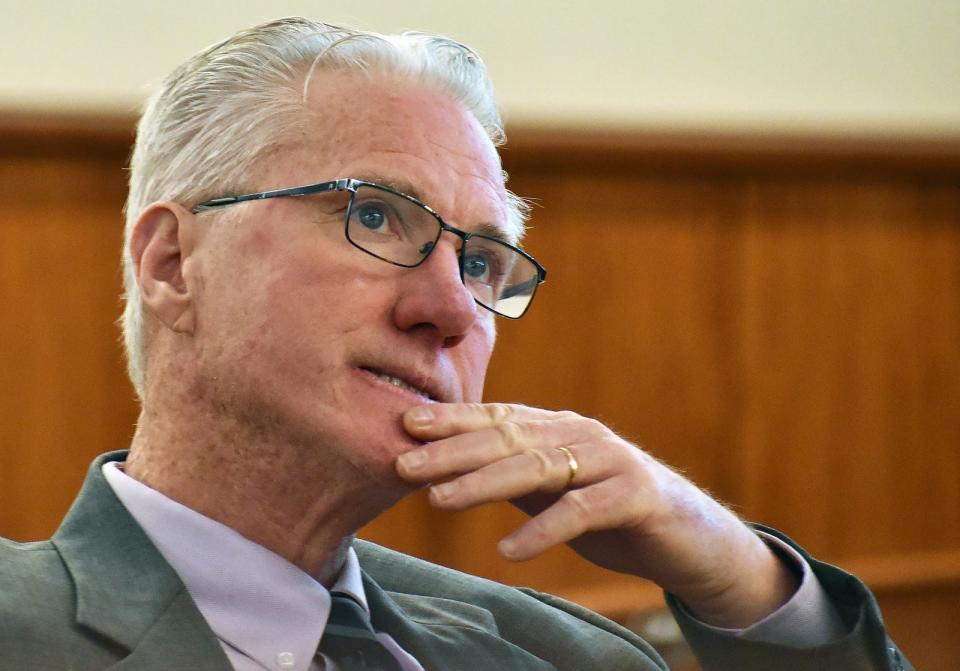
[[443, 634], [128, 594], [125, 590], [176, 640]]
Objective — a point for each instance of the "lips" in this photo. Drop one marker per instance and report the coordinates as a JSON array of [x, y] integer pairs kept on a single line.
[[407, 382]]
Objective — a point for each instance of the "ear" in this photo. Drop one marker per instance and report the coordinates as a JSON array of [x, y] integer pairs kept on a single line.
[[161, 244]]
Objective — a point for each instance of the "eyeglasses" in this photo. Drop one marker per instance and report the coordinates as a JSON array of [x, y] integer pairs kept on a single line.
[[399, 229]]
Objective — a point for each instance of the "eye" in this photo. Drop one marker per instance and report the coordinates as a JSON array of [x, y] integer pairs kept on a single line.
[[476, 267], [486, 265], [373, 217]]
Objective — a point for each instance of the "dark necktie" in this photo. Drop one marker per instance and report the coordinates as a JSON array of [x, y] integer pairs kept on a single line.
[[349, 640]]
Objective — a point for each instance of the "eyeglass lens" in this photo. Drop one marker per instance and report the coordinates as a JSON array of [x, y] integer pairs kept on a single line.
[[399, 230]]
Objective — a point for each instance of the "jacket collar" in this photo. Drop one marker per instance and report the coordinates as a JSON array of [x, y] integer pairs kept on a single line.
[[125, 590], [442, 633], [127, 593]]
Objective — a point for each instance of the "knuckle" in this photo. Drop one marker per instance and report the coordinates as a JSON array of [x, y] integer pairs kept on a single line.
[[597, 427], [542, 463], [598, 507], [588, 428], [577, 517], [476, 408], [580, 502], [498, 412], [509, 433], [468, 485], [538, 531]]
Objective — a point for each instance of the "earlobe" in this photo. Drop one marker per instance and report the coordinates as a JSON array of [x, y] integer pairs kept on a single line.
[[161, 243]]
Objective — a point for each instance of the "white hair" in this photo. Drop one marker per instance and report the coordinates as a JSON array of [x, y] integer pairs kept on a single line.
[[216, 115]]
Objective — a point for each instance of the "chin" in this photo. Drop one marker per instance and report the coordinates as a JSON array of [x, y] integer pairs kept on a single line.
[[372, 444]]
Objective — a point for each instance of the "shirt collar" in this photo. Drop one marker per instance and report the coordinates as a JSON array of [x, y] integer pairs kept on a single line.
[[253, 599]]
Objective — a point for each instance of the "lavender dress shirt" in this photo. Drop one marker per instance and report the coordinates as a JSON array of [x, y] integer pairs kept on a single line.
[[266, 612]]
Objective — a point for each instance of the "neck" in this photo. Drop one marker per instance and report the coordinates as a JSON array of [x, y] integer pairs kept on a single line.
[[295, 500]]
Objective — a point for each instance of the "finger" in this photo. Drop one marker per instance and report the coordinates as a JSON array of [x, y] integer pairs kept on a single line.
[[453, 456], [517, 476], [594, 508], [440, 420], [474, 449]]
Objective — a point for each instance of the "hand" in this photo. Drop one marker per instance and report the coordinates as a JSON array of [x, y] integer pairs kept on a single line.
[[622, 510]]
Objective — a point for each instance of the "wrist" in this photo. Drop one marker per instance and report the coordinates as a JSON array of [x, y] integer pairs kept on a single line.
[[762, 581]]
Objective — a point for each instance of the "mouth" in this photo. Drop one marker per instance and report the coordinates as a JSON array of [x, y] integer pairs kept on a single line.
[[401, 383]]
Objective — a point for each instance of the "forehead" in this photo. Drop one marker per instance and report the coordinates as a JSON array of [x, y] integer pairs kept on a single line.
[[404, 134]]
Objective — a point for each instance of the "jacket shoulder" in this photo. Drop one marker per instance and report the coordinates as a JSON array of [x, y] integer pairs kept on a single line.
[[37, 611], [32, 574], [32, 571], [549, 627]]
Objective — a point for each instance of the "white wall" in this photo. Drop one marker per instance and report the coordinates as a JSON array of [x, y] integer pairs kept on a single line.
[[819, 65]]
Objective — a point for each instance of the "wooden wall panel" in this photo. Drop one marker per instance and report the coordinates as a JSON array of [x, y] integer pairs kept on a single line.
[[851, 340], [780, 320], [63, 394], [924, 623]]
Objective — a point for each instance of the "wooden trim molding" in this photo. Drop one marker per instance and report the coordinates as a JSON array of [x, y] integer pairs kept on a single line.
[[593, 149], [22, 131], [913, 571], [618, 598], [582, 147], [624, 597]]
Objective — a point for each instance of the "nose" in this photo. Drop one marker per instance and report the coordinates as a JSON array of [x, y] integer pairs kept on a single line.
[[432, 295]]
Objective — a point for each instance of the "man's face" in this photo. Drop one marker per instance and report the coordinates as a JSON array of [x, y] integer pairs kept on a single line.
[[299, 334]]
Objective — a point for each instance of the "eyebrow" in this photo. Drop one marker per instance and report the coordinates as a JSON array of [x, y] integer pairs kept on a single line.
[[487, 229]]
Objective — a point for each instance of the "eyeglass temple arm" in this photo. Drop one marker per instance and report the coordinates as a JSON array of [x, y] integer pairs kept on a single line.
[[277, 193], [527, 287]]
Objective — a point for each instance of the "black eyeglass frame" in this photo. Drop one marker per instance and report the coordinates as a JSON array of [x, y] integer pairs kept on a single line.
[[351, 185]]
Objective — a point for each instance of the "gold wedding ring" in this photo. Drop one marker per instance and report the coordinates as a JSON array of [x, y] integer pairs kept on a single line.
[[571, 464]]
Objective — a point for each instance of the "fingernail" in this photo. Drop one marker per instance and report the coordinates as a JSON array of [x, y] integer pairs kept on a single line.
[[440, 493], [421, 416], [507, 548], [413, 461]]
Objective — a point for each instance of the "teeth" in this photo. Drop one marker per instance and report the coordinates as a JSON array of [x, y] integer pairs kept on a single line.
[[400, 384]]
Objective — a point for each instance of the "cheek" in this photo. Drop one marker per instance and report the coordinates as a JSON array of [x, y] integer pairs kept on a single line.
[[473, 361], [314, 298]]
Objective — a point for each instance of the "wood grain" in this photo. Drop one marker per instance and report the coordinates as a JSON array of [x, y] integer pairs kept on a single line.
[[777, 317]]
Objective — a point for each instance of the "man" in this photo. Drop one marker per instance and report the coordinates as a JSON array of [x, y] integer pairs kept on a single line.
[[309, 342]]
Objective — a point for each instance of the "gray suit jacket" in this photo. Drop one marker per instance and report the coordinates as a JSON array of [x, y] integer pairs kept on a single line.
[[98, 595]]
